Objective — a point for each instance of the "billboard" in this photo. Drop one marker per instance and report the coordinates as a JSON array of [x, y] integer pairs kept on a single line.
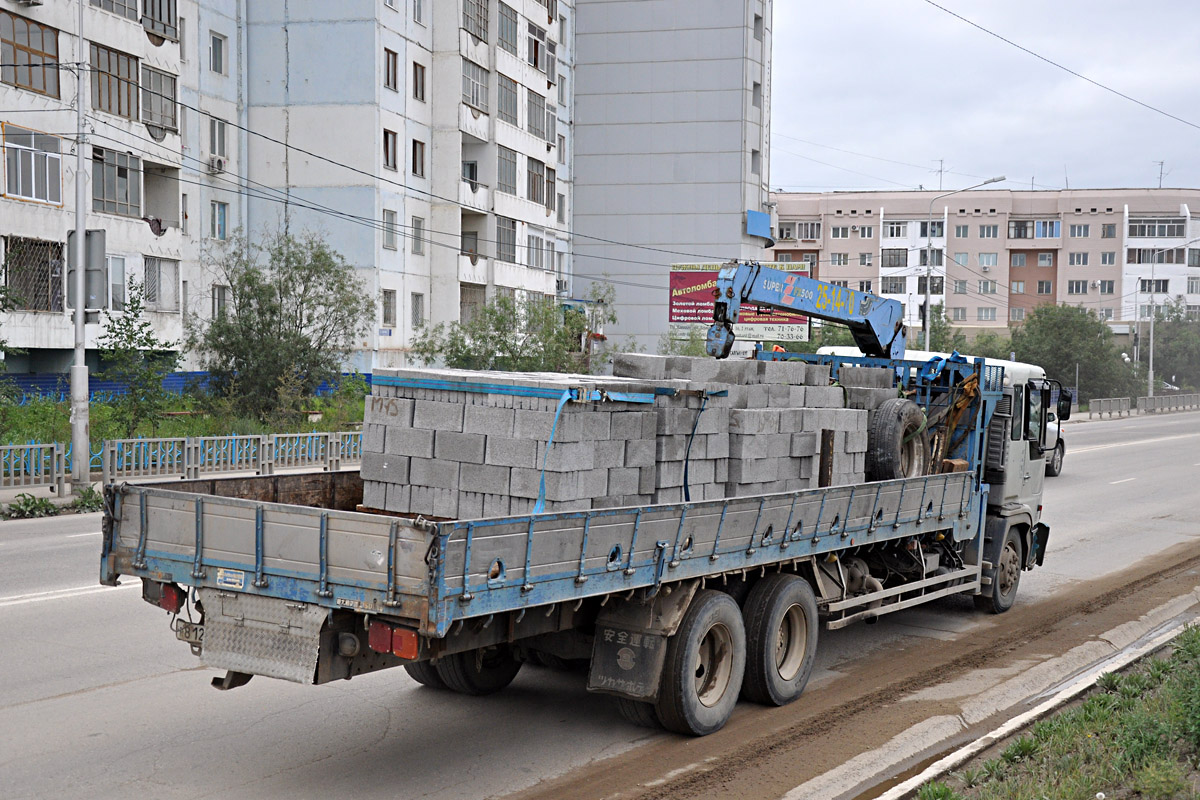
[[691, 306]]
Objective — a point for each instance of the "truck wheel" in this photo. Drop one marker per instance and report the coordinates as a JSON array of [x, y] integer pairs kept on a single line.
[[1054, 465], [1000, 596], [705, 661], [897, 445], [426, 674], [485, 670], [781, 639], [638, 713]]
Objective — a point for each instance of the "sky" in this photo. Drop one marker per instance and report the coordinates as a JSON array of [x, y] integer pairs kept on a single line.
[[863, 84]]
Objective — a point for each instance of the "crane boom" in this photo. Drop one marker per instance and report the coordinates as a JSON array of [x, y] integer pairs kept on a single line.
[[877, 323]]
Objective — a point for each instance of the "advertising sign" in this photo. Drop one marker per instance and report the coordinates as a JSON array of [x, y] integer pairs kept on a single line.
[[691, 306]]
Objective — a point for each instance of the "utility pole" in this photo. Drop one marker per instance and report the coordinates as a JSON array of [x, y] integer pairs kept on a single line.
[[1150, 368], [1160, 172], [80, 437], [941, 171]]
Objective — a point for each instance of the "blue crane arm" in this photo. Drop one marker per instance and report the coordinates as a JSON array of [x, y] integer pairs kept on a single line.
[[876, 323]]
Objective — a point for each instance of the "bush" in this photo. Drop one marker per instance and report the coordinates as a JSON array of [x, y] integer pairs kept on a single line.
[[26, 506], [87, 501]]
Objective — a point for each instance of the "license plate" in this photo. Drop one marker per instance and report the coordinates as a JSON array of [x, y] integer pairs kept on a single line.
[[189, 632]]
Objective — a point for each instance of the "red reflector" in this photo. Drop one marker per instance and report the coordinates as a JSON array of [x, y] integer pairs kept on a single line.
[[379, 637], [171, 598], [404, 643]]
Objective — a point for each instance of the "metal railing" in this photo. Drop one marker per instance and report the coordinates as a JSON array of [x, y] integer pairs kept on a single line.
[[28, 466], [1168, 402], [1121, 406]]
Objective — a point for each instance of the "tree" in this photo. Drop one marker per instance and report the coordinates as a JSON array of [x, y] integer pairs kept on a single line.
[[1058, 338], [1176, 346], [944, 336], [136, 358], [691, 345], [294, 312], [991, 344], [533, 334]]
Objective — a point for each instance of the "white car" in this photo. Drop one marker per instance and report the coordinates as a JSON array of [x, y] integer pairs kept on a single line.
[[1054, 459]]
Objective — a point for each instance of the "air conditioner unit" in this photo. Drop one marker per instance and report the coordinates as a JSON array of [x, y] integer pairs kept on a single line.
[[216, 164], [1095, 284], [854, 227], [986, 269], [560, 285]]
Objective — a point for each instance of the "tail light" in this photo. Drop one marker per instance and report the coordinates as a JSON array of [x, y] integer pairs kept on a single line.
[[400, 642], [166, 596]]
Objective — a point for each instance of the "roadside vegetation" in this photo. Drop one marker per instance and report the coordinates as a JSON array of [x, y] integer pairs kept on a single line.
[[28, 506], [1136, 735]]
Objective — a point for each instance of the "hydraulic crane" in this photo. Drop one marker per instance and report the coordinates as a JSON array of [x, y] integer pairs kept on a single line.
[[876, 323]]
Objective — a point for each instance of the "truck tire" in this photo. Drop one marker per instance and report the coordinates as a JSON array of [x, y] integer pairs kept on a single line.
[[781, 639], [426, 674], [705, 661], [638, 713], [1002, 593], [897, 443], [485, 670]]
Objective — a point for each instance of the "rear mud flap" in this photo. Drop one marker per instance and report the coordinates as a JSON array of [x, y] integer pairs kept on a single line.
[[261, 635], [1041, 535], [626, 663]]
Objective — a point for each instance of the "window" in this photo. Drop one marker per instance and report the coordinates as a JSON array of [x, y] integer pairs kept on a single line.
[[475, 18], [29, 54], [33, 165], [1108, 287], [1077, 287], [783, 257], [562, 149], [158, 16], [808, 230], [1156, 286], [839, 232], [960, 287], [1017, 287], [389, 149], [1193, 285], [864, 286], [843, 284], [892, 285], [116, 282], [114, 82], [756, 94], [1193, 258], [418, 158], [158, 98], [962, 231], [418, 82], [988, 259], [474, 85], [216, 137], [1045, 287], [1077, 259], [472, 297], [985, 314], [506, 170], [934, 255], [894, 257], [507, 106], [960, 259], [418, 236], [542, 52], [217, 227], [1016, 314], [1146, 228], [391, 70], [116, 183], [469, 243], [958, 314], [1047, 229], [1045, 259], [1107, 313], [895, 230], [865, 259], [508, 29], [756, 162], [183, 212], [551, 188], [787, 230], [419, 11], [506, 239], [987, 287], [33, 274], [758, 27], [936, 286], [533, 252], [161, 285], [1017, 260], [1146, 255], [389, 229], [417, 310], [989, 231], [182, 40], [220, 300], [839, 259], [562, 208], [1080, 231], [535, 173], [938, 229], [866, 232], [389, 308], [216, 53], [536, 120], [1108, 230], [126, 8], [1022, 229]]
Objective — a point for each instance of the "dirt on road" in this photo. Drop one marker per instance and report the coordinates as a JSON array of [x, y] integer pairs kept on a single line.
[[766, 752]]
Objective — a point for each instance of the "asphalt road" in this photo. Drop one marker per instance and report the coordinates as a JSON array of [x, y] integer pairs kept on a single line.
[[99, 700]]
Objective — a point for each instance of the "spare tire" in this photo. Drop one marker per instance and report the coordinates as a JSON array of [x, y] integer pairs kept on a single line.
[[897, 442]]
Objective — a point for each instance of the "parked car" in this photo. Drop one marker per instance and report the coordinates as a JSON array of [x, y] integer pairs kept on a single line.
[[1054, 459]]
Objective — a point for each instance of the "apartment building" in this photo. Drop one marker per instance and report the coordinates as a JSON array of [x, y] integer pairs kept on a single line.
[[428, 142], [672, 130], [991, 256]]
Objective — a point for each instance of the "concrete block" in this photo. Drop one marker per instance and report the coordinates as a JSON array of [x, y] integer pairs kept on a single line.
[[399, 500], [623, 480], [484, 478], [435, 416], [566, 456], [387, 411], [781, 372], [374, 494], [753, 420], [866, 377], [593, 483], [779, 395], [868, 399], [640, 453], [533, 425], [824, 397], [647, 480], [610, 453], [805, 445], [488, 420], [752, 396], [465, 448], [671, 494], [791, 420], [384, 468], [621, 501], [754, 470], [816, 375], [669, 473], [673, 421], [798, 398], [856, 442], [373, 438], [639, 365], [670, 448], [736, 372], [495, 505], [504, 452], [716, 445], [720, 471], [408, 442], [559, 485], [470, 505], [701, 472], [434, 473], [626, 425], [595, 425]]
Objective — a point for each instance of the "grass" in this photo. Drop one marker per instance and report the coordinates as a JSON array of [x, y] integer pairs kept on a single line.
[[1136, 735]]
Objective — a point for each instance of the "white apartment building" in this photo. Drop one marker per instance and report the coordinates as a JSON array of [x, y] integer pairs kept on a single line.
[[997, 254]]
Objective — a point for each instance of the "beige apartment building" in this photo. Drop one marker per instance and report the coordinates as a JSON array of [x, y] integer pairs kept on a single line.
[[993, 255]]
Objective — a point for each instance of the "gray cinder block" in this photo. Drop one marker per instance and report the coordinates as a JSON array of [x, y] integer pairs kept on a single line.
[[866, 377], [385, 468], [867, 398], [504, 452], [484, 478], [753, 420], [623, 481], [824, 397], [433, 472], [387, 411], [466, 448], [804, 445], [434, 416], [566, 456], [488, 420], [639, 453], [408, 442], [610, 453], [640, 366], [374, 494], [399, 500], [816, 375], [373, 438]]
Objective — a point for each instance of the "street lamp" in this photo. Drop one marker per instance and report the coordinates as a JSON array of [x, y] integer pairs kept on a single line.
[[929, 247]]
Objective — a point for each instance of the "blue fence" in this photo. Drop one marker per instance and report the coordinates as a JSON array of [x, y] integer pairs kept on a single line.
[[57, 386]]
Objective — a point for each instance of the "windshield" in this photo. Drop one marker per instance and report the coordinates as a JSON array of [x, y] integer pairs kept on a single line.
[[1035, 421]]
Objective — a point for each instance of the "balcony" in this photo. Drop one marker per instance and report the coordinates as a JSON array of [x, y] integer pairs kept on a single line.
[[474, 195], [472, 268], [474, 122]]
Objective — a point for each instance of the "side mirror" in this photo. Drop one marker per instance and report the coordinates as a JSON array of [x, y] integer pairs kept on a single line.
[[1064, 404]]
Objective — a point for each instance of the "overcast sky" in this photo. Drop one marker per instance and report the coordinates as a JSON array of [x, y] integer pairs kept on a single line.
[[903, 81]]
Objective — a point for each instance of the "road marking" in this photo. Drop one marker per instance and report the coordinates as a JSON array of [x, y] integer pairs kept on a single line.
[[1136, 441], [77, 535], [61, 594], [1123, 480]]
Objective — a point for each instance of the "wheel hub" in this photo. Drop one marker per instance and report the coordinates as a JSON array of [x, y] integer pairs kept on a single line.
[[714, 665]]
